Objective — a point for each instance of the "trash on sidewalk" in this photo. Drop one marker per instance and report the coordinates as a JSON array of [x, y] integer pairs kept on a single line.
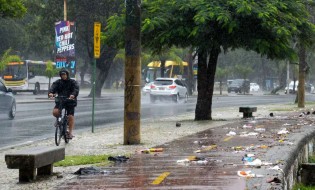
[[206, 148], [273, 180], [231, 133], [283, 131], [193, 160], [247, 126], [149, 150], [248, 157], [118, 158], [248, 174], [87, 171], [285, 142], [257, 162], [260, 129], [244, 134]]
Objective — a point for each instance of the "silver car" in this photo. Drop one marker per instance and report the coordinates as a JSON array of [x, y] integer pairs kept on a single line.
[[7, 101], [168, 88]]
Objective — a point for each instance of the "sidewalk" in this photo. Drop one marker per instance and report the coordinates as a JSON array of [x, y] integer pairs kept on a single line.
[[220, 157]]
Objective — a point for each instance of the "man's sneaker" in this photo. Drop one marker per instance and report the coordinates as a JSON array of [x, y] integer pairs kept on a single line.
[[69, 136]]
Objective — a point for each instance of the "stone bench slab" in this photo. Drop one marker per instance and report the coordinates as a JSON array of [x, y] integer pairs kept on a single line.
[[28, 160], [247, 111]]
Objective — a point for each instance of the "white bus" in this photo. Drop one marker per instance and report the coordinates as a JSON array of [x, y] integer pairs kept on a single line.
[[27, 76]]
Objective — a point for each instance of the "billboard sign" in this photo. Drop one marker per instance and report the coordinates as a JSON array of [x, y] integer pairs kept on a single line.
[[65, 46]]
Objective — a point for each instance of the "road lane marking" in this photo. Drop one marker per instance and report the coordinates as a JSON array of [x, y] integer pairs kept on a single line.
[[227, 139], [159, 179]]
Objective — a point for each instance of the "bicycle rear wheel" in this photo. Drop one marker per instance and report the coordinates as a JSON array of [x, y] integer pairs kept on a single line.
[[58, 134]]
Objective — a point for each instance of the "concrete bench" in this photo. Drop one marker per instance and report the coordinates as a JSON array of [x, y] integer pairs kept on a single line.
[[247, 111], [28, 160]]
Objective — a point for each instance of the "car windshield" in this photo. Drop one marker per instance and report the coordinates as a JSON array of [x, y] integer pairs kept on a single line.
[[163, 82], [237, 81]]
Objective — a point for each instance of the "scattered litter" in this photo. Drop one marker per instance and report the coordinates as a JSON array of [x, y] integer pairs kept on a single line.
[[285, 142], [238, 148], [247, 159], [286, 124], [275, 168], [87, 171], [207, 148], [149, 150], [260, 129], [274, 180], [250, 155], [247, 174], [247, 126], [118, 158], [244, 134], [263, 146], [231, 133], [193, 160], [283, 131], [185, 161], [257, 162]]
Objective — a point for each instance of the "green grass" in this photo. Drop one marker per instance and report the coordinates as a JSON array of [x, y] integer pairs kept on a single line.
[[83, 160], [300, 186], [282, 109], [311, 159]]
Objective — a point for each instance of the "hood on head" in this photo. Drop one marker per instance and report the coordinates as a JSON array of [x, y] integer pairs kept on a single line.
[[62, 71]]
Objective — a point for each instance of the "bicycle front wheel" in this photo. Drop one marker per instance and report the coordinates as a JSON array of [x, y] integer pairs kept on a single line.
[[65, 126], [58, 134]]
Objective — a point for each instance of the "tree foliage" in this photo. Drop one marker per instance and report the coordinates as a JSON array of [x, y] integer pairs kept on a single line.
[[6, 58], [12, 9], [266, 27]]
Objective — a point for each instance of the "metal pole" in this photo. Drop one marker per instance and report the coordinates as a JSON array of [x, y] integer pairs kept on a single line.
[[93, 102], [288, 76], [65, 10]]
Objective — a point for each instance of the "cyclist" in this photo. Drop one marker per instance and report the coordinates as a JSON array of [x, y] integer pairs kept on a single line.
[[65, 86]]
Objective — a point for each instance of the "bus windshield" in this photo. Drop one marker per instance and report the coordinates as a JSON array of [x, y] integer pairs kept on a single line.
[[172, 70], [15, 72]]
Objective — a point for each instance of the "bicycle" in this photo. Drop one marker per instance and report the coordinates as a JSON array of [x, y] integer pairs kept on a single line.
[[62, 121]]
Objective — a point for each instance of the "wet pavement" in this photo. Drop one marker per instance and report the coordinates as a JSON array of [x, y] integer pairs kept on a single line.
[[211, 159]]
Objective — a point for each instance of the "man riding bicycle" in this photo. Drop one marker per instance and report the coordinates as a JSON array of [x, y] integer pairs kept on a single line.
[[69, 88]]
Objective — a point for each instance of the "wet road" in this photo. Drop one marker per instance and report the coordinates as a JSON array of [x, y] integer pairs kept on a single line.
[[34, 120]]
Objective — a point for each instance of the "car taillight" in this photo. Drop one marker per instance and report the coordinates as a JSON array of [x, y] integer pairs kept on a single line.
[[152, 86], [172, 87]]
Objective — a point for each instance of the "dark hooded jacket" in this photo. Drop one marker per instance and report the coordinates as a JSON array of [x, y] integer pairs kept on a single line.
[[65, 87]]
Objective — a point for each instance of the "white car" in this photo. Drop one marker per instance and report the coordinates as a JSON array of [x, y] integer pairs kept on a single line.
[[254, 87], [168, 88], [146, 89]]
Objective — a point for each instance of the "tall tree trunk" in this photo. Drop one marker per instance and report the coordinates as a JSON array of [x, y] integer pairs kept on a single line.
[[190, 79], [162, 67], [302, 71], [103, 64], [206, 74], [83, 70]]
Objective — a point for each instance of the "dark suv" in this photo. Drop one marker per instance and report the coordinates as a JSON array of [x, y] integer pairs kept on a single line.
[[239, 86]]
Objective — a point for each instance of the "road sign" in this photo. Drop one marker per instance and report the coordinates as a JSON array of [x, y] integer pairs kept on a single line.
[[97, 40]]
